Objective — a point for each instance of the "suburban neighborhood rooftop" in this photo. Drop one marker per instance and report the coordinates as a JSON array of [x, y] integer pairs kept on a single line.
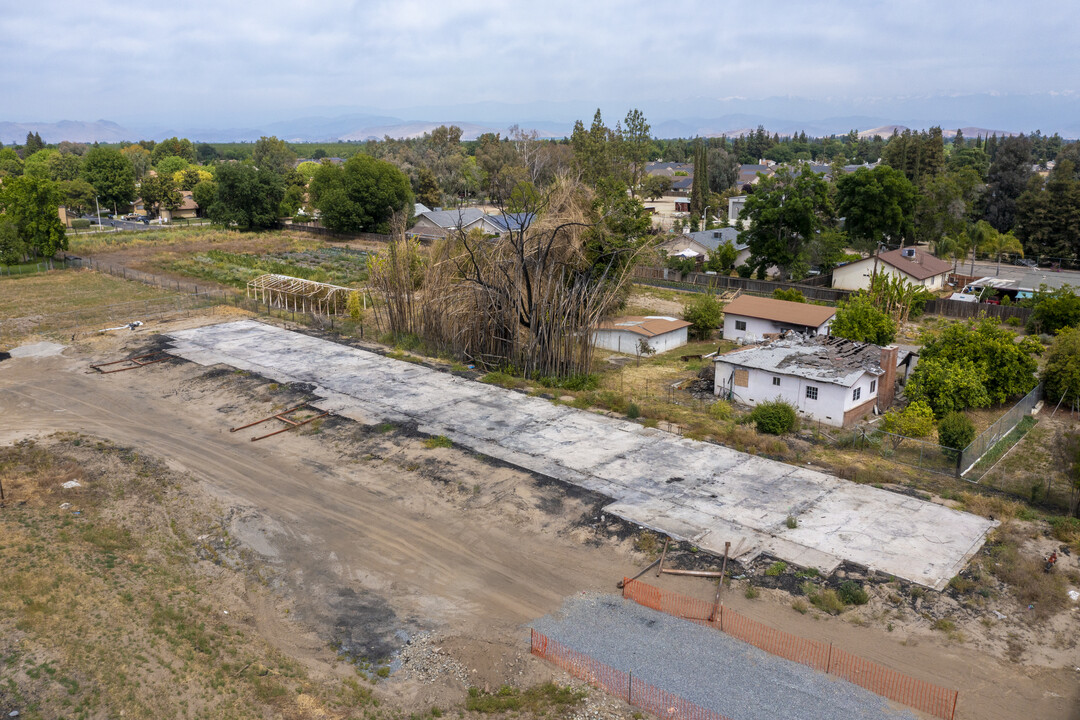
[[645, 326], [793, 313]]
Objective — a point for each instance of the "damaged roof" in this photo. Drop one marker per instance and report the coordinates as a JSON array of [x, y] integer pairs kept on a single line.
[[822, 358]]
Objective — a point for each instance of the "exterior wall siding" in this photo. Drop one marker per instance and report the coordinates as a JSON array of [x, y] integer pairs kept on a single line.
[[834, 404], [756, 328], [856, 276], [624, 341]]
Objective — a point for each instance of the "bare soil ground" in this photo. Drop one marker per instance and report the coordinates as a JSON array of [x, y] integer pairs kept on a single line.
[[335, 547]]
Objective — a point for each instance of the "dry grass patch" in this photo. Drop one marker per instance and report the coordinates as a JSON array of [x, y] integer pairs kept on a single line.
[[61, 291]]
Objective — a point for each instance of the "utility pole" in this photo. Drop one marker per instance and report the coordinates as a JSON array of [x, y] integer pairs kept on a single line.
[[96, 205]]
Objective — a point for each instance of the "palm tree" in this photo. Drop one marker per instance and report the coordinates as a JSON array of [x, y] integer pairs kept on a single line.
[[996, 243]]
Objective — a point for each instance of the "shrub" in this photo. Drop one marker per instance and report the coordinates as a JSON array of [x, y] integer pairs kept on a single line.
[[852, 593], [1014, 321], [721, 410], [704, 313], [744, 271], [916, 420], [859, 319], [956, 431], [438, 441], [774, 417], [827, 601], [776, 569], [633, 411], [790, 294], [80, 223]]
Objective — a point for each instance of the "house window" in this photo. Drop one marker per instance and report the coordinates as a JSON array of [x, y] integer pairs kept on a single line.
[[740, 324], [811, 392], [776, 381], [856, 393], [873, 385]]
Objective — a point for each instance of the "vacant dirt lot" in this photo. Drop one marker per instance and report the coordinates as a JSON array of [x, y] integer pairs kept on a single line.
[[338, 543]]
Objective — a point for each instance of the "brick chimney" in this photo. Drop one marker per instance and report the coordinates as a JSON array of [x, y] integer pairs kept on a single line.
[[887, 382]]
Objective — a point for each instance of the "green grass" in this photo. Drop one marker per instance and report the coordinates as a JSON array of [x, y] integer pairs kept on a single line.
[[538, 700], [60, 291], [438, 441], [336, 266]]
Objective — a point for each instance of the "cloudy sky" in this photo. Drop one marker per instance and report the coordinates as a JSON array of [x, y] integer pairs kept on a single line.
[[228, 62]]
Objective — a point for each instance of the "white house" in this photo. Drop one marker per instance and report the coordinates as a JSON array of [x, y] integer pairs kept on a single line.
[[623, 334], [913, 264], [832, 380], [705, 241], [750, 318]]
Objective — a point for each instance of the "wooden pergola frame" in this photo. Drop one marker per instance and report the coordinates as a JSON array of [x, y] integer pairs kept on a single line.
[[299, 295]]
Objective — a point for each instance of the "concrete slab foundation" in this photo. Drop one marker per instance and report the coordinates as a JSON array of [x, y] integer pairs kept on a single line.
[[703, 493]]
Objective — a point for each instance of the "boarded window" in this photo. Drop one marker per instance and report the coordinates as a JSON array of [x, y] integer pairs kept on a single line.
[[742, 378]]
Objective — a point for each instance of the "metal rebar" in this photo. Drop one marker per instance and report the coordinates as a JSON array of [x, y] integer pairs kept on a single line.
[[694, 573], [662, 556]]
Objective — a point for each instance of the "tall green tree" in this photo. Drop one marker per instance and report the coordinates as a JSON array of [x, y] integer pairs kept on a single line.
[[139, 157], [273, 154], [858, 319], [112, 176], [636, 146], [365, 196], [878, 206], [159, 192], [723, 169], [34, 144], [173, 147], [11, 165], [1061, 372], [76, 195], [1007, 180], [700, 187], [1048, 214], [944, 205], [246, 198], [31, 205], [784, 213]]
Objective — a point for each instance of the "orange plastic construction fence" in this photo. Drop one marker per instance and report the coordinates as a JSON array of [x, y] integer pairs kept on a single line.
[[899, 687], [619, 683]]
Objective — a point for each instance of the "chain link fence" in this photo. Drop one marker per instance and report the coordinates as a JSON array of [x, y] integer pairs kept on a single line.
[[969, 465]]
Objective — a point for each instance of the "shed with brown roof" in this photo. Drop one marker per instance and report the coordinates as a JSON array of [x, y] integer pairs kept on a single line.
[[751, 318], [623, 334]]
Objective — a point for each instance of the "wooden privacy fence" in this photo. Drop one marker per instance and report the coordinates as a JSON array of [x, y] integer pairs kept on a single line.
[[619, 683], [959, 309], [724, 282], [822, 656]]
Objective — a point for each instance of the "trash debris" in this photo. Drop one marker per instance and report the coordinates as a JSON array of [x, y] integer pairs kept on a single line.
[[1074, 595], [129, 326], [71, 484], [998, 615], [65, 506]]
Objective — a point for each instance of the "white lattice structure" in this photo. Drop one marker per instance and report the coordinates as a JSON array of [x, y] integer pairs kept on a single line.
[[298, 294]]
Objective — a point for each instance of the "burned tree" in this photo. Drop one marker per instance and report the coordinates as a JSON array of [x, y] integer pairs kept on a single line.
[[525, 300]]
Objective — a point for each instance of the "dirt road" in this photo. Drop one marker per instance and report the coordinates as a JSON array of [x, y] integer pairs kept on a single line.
[[368, 536]]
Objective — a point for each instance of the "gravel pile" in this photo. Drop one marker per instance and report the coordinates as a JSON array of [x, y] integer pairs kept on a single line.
[[706, 666], [422, 660]]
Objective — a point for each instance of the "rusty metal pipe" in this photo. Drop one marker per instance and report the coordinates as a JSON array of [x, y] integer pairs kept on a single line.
[[651, 565], [720, 585], [268, 419], [663, 555], [292, 426]]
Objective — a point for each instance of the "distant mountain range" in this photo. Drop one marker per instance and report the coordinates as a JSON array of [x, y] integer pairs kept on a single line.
[[690, 117]]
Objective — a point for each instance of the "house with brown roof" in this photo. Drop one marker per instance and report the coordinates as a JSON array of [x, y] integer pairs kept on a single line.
[[750, 318], [623, 334], [913, 264], [188, 208]]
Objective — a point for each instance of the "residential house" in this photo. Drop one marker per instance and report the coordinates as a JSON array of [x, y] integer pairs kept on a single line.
[[752, 174], [913, 264], [750, 318], [624, 334], [439, 223], [705, 241], [187, 209], [668, 169], [682, 204], [832, 380]]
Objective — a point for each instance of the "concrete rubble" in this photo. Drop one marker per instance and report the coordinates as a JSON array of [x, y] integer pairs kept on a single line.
[[694, 491]]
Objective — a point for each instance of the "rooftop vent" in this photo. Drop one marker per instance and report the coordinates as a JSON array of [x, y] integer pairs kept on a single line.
[[909, 253]]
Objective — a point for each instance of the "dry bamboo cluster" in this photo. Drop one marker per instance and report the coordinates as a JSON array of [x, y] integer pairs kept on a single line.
[[526, 301]]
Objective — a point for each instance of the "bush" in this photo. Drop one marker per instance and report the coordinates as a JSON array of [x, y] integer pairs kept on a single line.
[[859, 319], [633, 411], [704, 313], [852, 593], [721, 410], [80, 223], [915, 421], [827, 601], [774, 417], [956, 431], [744, 271], [1013, 321], [776, 569], [791, 295]]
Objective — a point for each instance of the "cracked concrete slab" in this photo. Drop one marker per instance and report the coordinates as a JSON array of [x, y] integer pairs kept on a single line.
[[700, 492]]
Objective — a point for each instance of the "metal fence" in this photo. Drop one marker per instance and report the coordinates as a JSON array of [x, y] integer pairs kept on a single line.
[[924, 696], [912, 452], [981, 445], [619, 683], [698, 281]]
